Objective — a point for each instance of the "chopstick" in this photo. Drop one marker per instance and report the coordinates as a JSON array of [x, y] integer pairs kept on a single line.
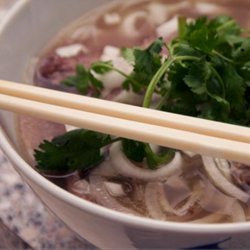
[[127, 128], [125, 111]]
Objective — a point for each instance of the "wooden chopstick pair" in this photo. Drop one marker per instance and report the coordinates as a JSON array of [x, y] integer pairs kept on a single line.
[[166, 129]]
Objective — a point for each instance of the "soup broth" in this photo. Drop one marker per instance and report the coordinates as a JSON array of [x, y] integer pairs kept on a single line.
[[189, 188]]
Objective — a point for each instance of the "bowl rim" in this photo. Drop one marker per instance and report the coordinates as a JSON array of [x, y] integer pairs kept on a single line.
[[87, 206]]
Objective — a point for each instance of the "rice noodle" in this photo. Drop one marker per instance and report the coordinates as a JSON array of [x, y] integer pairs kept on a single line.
[[176, 190], [152, 201], [101, 195], [224, 167], [221, 182], [126, 168], [238, 214], [164, 202], [186, 212], [214, 200], [191, 202], [211, 218], [185, 208]]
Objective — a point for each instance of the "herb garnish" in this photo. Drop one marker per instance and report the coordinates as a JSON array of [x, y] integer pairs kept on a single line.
[[75, 150], [206, 74]]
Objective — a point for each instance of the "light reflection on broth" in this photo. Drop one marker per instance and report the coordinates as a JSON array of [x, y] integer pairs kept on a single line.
[[187, 191]]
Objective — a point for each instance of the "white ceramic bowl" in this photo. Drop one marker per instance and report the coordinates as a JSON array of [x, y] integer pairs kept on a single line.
[[27, 28]]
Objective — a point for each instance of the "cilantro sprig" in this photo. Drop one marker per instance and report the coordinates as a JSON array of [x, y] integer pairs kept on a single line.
[[83, 149], [204, 71], [84, 80], [75, 150], [206, 74]]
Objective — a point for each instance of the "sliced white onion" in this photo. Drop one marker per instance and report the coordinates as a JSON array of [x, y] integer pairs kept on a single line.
[[84, 32], [128, 97], [114, 79], [221, 182], [101, 195], [110, 52], [152, 201], [123, 65], [71, 50], [114, 189], [126, 168], [111, 80], [112, 18], [168, 28], [128, 25]]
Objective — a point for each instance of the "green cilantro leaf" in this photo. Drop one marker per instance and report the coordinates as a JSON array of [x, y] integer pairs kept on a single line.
[[146, 63], [75, 150], [102, 67], [84, 80], [134, 150], [139, 151], [199, 73], [128, 54], [242, 53]]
